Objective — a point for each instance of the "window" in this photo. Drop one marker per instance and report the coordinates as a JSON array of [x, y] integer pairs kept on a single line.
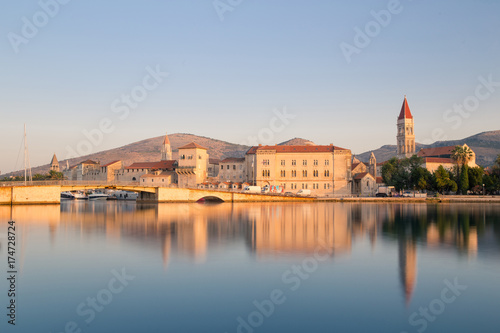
[[265, 162], [234, 167], [283, 173], [222, 167], [315, 162], [327, 162], [304, 162], [315, 173], [283, 162], [266, 173], [183, 157], [327, 173], [304, 173], [294, 162], [227, 167], [294, 173]]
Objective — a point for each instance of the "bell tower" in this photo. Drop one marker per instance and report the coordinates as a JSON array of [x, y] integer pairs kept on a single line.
[[406, 134], [166, 150]]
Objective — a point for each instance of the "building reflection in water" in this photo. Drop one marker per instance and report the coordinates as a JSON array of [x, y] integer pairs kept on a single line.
[[192, 230]]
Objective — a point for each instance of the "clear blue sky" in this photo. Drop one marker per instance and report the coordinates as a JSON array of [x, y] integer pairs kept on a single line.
[[226, 77]]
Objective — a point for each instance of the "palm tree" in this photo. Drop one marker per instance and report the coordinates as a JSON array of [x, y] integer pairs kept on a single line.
[[461, 154]]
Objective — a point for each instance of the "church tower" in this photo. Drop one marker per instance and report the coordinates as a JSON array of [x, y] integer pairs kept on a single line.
[[166, 150], [54, 164], [372, 167], [406, 134]]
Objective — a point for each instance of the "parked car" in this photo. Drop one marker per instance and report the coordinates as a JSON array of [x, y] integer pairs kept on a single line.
[[288, 194], [304, 192], [252, 189], [381, 195]]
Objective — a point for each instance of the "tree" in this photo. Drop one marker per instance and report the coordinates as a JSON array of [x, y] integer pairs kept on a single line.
[[464, 179], [476, 177], [54, 175], [406, 173], [462, 155], [443, 180]]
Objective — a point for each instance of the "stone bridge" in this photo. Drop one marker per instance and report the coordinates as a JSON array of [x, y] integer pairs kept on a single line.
[[51, 193]]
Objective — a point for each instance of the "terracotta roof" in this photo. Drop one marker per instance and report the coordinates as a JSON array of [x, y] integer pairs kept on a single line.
[[192, 145], [88, 162], [355, 165], [166, 141], [233, 159], [439, 160], [153, 165], [213, 161], [381, 163], [380, 180], [362, 175], [405, 111], [436, 151], [296, 149], [110, 163]]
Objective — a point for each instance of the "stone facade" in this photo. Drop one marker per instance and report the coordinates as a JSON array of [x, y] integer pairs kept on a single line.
[[193, 165], [406, 134], [325, 170], [232, 169], [54, 164]]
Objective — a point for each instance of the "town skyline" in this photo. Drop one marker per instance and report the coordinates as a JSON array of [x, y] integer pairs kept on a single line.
[[226, 77]]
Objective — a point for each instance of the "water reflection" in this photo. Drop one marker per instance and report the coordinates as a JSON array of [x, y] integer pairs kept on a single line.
[[272, 230]]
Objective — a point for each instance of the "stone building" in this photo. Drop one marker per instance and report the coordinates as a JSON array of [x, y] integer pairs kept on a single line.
[[232, 169], [192, 166], [85, 170], [365, 180], [158, 173], [325, 170], [434, 157], [213, 168]]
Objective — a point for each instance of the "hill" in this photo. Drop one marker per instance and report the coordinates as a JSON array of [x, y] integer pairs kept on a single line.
[[150, 150], [486, 145]]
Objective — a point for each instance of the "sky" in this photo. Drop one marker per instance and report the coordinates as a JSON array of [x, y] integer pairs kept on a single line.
[[86, 76]]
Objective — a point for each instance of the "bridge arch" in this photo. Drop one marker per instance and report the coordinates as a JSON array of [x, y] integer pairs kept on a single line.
[[210, 199]]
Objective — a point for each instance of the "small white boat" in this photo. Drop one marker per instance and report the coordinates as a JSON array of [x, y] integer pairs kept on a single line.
[[67, 196], [124, 195], [79, 195], [98, 196]]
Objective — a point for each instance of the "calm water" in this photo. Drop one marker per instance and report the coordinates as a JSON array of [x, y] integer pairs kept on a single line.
[[320, 267]]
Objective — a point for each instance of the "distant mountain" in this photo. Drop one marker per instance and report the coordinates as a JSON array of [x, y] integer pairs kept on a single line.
[[486, 145], [150, 150], [296, 142]]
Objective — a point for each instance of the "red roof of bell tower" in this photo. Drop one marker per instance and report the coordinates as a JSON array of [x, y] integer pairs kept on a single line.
[[405, 111], [166, 141]]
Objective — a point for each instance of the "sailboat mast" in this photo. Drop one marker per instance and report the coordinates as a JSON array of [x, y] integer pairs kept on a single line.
[[25, 154], [27, 164]]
